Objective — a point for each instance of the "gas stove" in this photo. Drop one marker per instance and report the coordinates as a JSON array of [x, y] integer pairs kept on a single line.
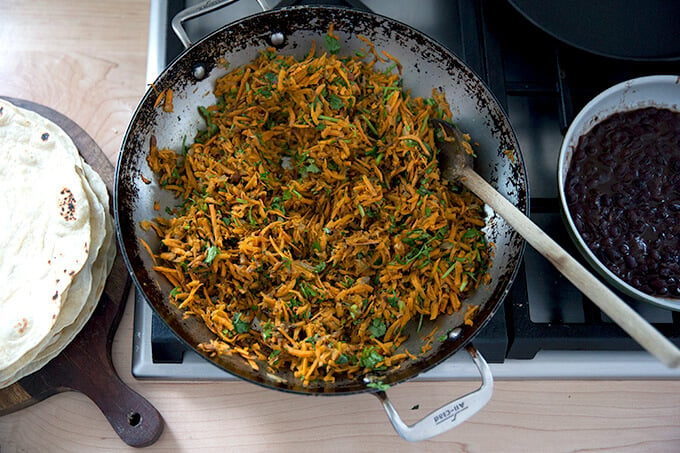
[[546, 328]]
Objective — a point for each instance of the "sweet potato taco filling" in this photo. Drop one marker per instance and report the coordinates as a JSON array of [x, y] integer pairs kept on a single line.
[[314, 224]]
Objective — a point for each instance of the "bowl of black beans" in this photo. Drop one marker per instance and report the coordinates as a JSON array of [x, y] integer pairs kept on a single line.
[[619, 184]]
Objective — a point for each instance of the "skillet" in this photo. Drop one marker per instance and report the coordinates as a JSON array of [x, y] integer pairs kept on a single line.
[[427, 64]]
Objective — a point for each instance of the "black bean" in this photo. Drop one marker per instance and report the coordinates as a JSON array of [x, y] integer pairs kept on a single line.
[[614, 231], [612, 255], [630, 261]]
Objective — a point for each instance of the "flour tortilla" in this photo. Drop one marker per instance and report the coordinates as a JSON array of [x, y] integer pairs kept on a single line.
[[100, 269], [51, 240], [84, 293], [99, 201]]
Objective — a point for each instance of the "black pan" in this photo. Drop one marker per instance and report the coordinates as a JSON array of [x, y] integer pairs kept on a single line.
[[625, 29], [426, 63]]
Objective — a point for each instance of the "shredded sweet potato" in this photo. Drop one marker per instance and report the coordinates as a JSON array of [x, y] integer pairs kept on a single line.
[[314, 226]]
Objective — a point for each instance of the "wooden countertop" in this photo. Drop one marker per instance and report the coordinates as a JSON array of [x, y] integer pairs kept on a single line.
[[87, 60]]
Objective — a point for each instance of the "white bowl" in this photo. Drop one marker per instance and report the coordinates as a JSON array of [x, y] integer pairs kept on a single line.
[[653, 91]]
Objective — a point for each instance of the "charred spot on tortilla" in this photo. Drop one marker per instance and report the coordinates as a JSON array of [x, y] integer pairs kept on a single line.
[[67, 205], [21, 326], [45, 136]]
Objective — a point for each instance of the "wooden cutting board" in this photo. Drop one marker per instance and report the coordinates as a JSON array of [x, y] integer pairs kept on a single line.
[[85, 365]]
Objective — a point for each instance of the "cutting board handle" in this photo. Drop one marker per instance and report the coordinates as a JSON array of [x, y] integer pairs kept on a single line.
[[134, 419], [86, 367]]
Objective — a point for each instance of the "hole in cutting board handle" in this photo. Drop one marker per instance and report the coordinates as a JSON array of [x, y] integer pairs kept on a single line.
[[134, 418]]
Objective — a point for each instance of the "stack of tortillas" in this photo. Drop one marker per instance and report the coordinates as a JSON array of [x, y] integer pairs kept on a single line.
[[56, 241]]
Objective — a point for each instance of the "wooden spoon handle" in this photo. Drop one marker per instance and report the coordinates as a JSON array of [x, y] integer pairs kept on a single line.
[[619, 311]]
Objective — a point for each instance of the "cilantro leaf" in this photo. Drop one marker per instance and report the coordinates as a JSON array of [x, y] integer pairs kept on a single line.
[[378, 386], [267, 329], [335, 102], [312, 168], [240, 326], [393, 301], [471, 233], [271, 77], [332, 44], [274, 354], [213, 251], [370, 357], [377, 328]]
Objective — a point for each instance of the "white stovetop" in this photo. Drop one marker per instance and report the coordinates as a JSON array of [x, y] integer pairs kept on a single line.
[[562, 365]]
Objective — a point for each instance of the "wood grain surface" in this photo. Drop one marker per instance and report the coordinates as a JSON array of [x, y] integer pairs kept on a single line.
[[86, 59]]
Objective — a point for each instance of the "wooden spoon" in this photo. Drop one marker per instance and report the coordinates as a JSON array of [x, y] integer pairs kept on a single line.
[[457, 165]]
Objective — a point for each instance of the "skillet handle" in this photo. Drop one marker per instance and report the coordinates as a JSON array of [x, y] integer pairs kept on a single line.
[[448, 416], [200, 10]]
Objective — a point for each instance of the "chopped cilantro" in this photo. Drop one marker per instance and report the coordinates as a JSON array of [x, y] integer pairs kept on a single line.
[[271, 77], [267, 329], [378, 386], [332, 44], [213, 251], [472, 232], [274, 354], [308, 291], [370, 357], [310, 168], [240, 326], [335, 102], [354, 311], [393, 301], [377, 328]]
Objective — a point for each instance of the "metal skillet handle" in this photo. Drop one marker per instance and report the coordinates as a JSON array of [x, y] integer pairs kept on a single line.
[[448, 416], [199, 10]]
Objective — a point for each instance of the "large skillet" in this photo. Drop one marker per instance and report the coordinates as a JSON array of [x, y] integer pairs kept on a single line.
[[427, 64]]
